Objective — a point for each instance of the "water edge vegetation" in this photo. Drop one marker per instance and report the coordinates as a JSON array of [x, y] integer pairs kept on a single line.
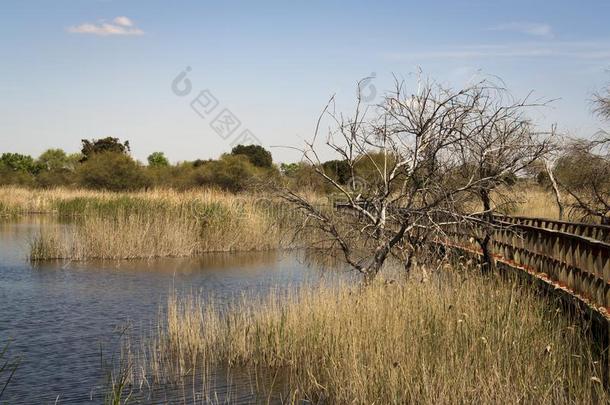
[[457, 337]]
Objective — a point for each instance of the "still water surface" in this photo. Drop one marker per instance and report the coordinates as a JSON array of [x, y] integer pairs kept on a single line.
[[62, 317]]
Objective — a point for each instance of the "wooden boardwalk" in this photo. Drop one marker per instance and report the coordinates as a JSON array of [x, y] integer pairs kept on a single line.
[[570, 259], [574, 257], [568, 256]]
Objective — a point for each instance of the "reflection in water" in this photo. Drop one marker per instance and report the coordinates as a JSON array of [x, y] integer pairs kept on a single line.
[[222, 386], [63, 316], [246, 262]]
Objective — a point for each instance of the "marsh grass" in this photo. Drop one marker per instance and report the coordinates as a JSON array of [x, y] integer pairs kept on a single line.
[[19, 200], [529, 199], [125, 236], [161, 224], [534, 201], [167, 223], [463, 340]]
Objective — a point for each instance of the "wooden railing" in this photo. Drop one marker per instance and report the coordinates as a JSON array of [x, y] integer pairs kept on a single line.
[[598, 232], [569, 255]]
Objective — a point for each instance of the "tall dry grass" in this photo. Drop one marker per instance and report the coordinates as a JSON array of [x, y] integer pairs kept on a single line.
[[465, 340], [531, 200], [125, 236], [18, 200], [160, 223], [534, 201], [163, 224]]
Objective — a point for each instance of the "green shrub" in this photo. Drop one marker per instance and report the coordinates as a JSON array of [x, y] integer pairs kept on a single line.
[[256, 154], [157, 159], [112, 171], [230, 172]]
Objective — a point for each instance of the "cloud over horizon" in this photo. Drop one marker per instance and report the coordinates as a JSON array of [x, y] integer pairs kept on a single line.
[[120, 25], [541, 30], [574, 50]]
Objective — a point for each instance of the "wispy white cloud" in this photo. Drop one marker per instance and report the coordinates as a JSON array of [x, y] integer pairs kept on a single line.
[[118, 26], [542, 30], [563, 49], [124, 21]]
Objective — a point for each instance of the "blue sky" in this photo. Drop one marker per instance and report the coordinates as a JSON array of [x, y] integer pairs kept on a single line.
[[73, 69]]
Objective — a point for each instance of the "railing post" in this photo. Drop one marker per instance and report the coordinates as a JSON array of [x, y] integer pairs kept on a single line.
[[563, 271], [606, 267]]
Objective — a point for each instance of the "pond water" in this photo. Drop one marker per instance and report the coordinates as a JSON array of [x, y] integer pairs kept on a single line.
[[64, 318]]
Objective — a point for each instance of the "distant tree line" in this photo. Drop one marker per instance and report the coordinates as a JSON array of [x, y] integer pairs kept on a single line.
[[106, 164], [579, 170]]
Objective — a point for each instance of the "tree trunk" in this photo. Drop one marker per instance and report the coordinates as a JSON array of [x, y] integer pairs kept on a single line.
[[381, 253], [487, 263], [558, 199], [372, 270], [409, 264]]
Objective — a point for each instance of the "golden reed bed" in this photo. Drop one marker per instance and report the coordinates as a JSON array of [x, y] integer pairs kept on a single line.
[[462, 339], [167, 223]]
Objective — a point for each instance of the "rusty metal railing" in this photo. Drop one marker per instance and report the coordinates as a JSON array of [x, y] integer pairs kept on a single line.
[[564, 256]]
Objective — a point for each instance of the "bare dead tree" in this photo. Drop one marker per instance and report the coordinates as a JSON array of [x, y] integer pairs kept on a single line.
[[583, 170], [502, 143], [601, 103], [417, 146], [548, 167]]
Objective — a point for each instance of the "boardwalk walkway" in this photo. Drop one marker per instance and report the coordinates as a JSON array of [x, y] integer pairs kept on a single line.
[[572, 256]]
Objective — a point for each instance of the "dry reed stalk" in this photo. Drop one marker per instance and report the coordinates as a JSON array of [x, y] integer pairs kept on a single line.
[[164, 224], [467, 340]]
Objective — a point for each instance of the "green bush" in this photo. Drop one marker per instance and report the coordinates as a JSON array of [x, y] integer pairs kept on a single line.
[[112, 171], [338, 170], [56, 178], [157, 159], [256, 154], [104, 145], [15, 177], [230, 172], [18, 163]]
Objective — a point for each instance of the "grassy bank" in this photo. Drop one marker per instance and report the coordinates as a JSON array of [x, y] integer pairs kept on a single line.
[[18, 200], [534, 201], [153, 224], [166, 223], [464, 340], [531, 200]]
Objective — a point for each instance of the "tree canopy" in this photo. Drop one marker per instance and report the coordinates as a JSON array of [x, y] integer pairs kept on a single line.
[[108, 144], [18, 162], [157, 159], [112, 171], [257, 155]]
